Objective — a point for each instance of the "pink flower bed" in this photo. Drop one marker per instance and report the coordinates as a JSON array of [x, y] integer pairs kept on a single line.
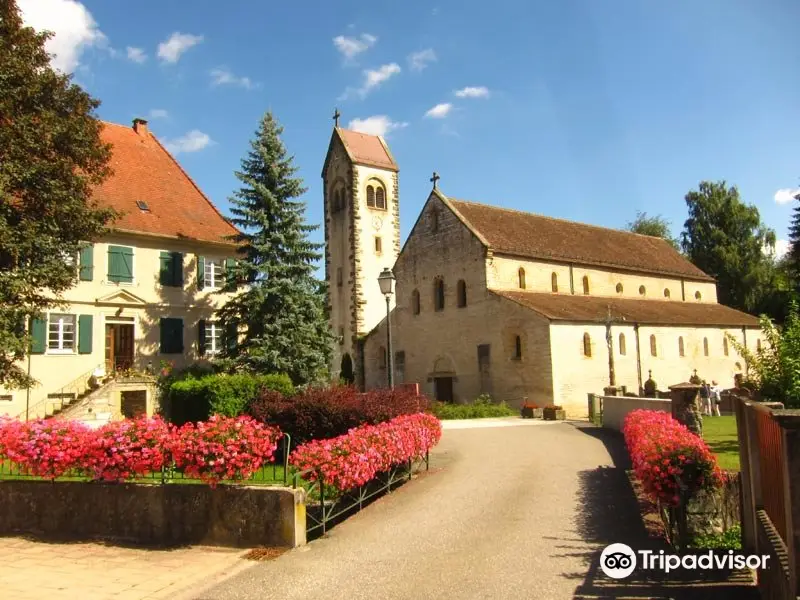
[[224, 448], [667, 457], [221, 448], [356, 457]]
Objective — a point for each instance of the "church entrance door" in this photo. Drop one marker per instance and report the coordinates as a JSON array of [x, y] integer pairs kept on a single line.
[[443, 389]]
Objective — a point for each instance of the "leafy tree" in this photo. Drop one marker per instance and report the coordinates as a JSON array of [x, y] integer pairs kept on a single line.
[[282, 309], [51, 156], [656, 226], [774, 370], [725, 238]]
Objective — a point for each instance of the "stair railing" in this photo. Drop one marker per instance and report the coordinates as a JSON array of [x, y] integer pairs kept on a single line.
[[56, 402]]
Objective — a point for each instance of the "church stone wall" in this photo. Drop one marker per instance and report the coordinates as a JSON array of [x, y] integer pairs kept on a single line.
[[576, 375], [446, 341], [503, 273]]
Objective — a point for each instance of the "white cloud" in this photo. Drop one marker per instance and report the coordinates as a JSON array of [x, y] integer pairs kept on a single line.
[[158, 113], [192, 141], [351, 47], [786, 195], [419, 60], [473, 92], [781, 248], [375, 125], [439, 111], [223, 76], [136, 55], [372, 79], [170, 51], [73, 26]]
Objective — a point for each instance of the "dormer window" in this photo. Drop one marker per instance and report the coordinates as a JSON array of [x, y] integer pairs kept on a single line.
[[376, 195], [142, 206]]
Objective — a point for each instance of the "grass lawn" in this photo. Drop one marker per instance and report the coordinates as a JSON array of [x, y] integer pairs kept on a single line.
[[720, 435]]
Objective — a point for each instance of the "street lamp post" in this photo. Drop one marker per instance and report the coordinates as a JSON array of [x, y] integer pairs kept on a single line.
[[386, 281]]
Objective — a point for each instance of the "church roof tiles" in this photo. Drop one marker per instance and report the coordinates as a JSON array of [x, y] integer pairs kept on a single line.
[[365, 149], [529, 235], [594, 309]]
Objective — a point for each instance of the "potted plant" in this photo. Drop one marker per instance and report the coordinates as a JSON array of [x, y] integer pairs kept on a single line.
[[554, 413], [531, 411]]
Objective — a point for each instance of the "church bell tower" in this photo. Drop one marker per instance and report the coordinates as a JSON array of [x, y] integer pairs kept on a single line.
[[362, 237]]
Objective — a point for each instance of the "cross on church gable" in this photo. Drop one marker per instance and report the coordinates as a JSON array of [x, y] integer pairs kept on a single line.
[[435, 179], [336, 115]]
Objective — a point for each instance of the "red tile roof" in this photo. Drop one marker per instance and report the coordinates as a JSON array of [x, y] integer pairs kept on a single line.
[[529, 235], [365, 149], [594, 309], [144, 170]]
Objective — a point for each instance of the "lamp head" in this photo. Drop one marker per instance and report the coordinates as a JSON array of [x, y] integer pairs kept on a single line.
[[386, 281]]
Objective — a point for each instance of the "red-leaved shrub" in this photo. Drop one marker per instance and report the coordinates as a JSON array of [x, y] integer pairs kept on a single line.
[[356, 457], [223, 448], [320, 413], [669, 460], [123, 450]]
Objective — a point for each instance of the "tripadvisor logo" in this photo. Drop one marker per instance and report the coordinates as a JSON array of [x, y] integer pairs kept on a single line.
[[618, 561]]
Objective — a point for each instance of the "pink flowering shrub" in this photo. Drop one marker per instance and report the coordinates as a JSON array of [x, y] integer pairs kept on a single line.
[[669, 460], [123, 450], [353, 459], [44, 448], [223, 448]]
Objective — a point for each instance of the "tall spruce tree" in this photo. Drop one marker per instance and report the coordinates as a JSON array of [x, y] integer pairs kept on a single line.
[[281, 312], [51, 156], [793, 256]]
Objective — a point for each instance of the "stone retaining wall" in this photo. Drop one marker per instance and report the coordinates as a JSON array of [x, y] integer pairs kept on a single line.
[[172, 514], [616, 408]]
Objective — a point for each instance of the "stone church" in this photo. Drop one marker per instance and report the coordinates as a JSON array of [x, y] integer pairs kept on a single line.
[[516, 305]]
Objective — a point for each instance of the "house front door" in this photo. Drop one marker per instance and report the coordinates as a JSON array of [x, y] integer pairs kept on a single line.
[[119, 346], [443, 389]]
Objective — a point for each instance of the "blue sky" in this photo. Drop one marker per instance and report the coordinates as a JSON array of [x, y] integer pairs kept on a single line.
[[582, 109]]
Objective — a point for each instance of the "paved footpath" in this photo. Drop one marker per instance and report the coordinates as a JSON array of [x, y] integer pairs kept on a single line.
[[511, 509]]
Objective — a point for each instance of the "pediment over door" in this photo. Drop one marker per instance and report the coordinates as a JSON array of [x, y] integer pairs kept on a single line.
[[121, 298]]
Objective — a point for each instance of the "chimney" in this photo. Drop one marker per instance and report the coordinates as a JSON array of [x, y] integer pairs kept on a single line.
[[140, 126]]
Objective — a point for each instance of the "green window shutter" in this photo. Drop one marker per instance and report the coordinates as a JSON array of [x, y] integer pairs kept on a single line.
[[86, 262], [177, 269], [85, 334], [171, 336], [231, 336], [165, 274], [230, 272], [120, 264], [201, 272], [201, 337], [38, 336]]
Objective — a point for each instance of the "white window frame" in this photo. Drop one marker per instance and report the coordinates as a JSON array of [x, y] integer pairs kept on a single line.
[[61, 349], [214, 338], [211, 282]]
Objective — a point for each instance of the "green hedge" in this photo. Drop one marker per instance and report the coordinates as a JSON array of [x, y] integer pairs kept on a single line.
[[477, 410], [195, 399]]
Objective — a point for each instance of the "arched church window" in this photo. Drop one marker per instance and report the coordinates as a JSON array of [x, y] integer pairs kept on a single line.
[[462, 293], [653, 346], [619, 288], [758, 345], [521, 277], [705, 346], [434, 220], [438, 294], [517, 347], [587, 345], [415, 302], [380, 198], [642, 290], [666, 293], [586, 284], [382, 358], [370, 196], [622, 347], [554, 282], [698, 296], [725, 345], [681, 349]]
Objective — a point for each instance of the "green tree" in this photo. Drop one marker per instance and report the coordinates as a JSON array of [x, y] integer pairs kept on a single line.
[[281, 313], [725, 238], [793, 256], [656, 226], [51, 156]]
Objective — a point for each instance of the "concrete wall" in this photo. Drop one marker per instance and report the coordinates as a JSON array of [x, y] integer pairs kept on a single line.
[[503, 273], [446, 341], [236, 516], [143, 302], [615, 408]]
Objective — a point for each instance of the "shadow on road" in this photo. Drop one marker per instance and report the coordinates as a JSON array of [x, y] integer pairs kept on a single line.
[[611, 513]]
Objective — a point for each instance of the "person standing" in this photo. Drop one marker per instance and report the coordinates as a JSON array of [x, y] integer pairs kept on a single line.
[[715, 396], [705, 398]]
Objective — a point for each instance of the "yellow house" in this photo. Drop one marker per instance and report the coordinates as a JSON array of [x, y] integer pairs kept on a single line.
[[146, 293]]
